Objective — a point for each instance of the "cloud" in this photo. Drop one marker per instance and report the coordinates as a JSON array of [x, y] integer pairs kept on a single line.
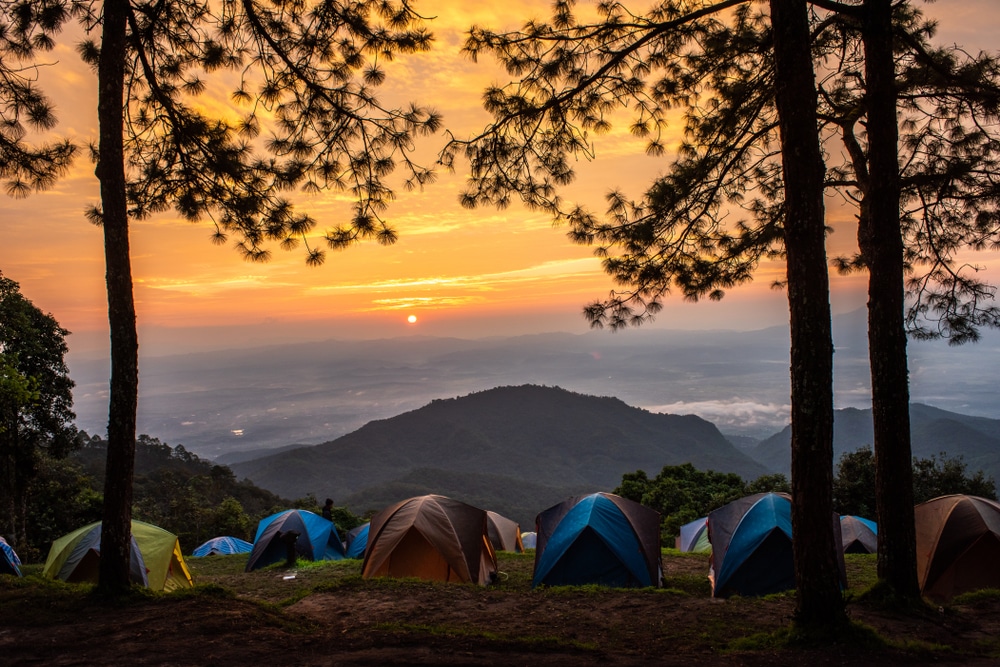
[[745, 412], [554, 270]]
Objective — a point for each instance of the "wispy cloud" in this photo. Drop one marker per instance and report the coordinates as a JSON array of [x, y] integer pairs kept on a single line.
[[207, 286], [555, 270]]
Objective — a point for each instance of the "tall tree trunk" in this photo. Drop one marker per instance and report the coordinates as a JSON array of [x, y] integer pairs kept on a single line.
[[117, 519], [817, 573], [881, 243]]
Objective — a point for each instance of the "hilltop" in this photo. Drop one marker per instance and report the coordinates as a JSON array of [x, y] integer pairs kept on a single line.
[[515, 450]]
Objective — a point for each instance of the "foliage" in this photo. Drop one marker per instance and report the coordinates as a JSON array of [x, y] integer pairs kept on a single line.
[[63, 498], [27, 28], [854, 485], [304, 114], [682, 493], [35, 400], [181, 492], [704, 225]]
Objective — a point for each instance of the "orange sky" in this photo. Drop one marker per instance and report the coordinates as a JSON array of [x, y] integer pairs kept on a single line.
[[459, 272]]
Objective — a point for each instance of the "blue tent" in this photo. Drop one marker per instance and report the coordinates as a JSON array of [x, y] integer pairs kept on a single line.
[[9, 562], [223, 546], [752, 546], [317, 538], [528, 539], [598, 539], [694, 536], [356, 540]]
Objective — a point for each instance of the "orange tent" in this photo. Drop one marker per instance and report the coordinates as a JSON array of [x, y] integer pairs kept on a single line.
[[958, 545], [430, 537]]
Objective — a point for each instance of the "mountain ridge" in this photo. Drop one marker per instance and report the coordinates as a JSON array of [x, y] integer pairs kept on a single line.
[[528, 435]]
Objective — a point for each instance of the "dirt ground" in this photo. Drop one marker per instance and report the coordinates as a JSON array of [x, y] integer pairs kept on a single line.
[[358, 622]]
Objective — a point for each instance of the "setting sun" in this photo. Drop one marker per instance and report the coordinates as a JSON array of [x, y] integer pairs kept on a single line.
[[411, 319]]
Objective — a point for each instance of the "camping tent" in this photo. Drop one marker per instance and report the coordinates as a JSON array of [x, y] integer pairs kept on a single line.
[[430, 537], [317, 538], [599, 538], [752, 546], [9, 562], [528, 539], [505, 534], [222, 546], [694, 536], [155, 560], [859, 535], [958, 545], [356, 540]]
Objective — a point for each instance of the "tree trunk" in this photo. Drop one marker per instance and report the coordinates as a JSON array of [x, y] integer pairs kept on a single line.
[[117, 519], [817, 573], [881, 243]]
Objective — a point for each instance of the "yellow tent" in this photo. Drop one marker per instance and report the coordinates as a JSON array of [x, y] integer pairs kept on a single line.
[[156, 559]]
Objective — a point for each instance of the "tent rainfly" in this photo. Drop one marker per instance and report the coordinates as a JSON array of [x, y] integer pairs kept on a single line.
[[694, 537], [430, 537], [155, 560], [859, 535], [505, 534], [222, 546], [752, 546], [9, 562], [958, 545], [315, 538], [356, 541], [599, 538]]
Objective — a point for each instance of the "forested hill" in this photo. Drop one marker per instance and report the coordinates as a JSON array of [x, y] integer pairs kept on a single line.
[[932, 432], [531, 442]]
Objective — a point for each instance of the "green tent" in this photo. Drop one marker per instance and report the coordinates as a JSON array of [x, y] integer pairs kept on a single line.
[[156, 558]]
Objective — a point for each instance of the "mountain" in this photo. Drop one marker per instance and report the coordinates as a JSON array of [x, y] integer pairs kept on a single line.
[[932, 431], [529, 441]]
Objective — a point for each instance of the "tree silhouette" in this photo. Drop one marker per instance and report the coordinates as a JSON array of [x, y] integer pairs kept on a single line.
[[572, 77], [304, 76]]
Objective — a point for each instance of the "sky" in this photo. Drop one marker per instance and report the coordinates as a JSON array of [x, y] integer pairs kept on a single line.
[[453, 271]]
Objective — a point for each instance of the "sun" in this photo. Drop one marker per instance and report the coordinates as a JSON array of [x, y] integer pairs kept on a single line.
[[412, 319]]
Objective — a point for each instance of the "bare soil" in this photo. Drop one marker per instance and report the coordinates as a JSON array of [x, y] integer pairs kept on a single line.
[[330, 616]]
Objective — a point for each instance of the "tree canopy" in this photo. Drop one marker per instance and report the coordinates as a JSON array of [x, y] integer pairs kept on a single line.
[[36, 399]]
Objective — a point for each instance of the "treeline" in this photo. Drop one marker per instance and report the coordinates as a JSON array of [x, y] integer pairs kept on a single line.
[[683, 493], [173, 488]]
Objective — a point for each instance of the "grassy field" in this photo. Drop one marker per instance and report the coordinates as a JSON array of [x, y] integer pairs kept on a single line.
[[331, 615]]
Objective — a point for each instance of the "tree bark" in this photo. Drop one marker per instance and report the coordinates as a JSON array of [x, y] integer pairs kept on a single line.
[[117, 519], [817, 573], [881, 244]]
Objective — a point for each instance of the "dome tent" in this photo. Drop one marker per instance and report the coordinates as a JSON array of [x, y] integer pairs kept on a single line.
[[752, 546], [222, 546], [859, 535], [9, 562], [317, 539], [958, 545], [599, 538], [356, 541], [694, 537], [504, 533], [155, 560], [430, 537]]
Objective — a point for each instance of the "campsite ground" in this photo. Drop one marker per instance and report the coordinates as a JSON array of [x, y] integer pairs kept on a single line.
[[325, 614]]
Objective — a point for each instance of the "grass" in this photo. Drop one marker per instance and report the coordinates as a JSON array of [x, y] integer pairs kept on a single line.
[[738, 625]]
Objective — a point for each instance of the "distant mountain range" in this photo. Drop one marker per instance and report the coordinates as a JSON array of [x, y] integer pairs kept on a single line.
[[514, 450], [520, 449], [248, 399], [932, 431]]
